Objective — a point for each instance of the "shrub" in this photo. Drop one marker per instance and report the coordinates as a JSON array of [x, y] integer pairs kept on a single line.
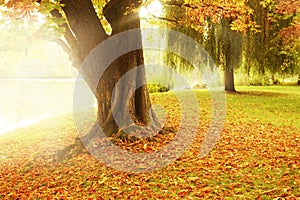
[[157, 87], [259, 80]]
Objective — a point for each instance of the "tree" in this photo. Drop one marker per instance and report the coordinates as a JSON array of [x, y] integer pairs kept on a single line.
[[288, 37], [258, 41], [232, 50], [222, 25], [82, 29], [273, 47]]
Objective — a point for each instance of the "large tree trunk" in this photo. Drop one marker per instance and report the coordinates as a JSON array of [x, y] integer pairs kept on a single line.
[[129, 96], [113, 100]]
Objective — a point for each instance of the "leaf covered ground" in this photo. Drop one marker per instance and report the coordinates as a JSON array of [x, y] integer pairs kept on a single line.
[[257, 157]]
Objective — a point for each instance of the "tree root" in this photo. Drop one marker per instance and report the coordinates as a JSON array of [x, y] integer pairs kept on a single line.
[[78, 146]]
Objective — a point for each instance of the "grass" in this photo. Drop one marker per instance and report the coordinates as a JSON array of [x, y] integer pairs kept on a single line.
[[276, 105], [257, 157]]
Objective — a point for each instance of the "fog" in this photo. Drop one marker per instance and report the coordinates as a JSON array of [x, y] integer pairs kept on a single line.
[[26, 101]]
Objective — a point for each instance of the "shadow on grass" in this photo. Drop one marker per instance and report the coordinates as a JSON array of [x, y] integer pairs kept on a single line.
[[70, 151], [258, 93]]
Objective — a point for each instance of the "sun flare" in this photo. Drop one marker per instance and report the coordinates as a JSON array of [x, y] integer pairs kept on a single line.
[[154, 8]]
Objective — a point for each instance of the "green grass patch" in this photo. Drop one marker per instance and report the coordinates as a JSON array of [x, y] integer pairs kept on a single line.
[[276, 105]]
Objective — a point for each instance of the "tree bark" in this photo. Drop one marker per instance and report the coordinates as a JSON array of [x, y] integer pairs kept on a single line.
[[229, 79], [138, 105], [232, 50]]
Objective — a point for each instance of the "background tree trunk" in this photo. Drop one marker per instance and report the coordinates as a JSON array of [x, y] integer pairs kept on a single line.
[[232, 51], [229, 79]]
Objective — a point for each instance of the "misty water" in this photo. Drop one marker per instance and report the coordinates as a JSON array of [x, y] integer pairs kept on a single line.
[[24, 102]]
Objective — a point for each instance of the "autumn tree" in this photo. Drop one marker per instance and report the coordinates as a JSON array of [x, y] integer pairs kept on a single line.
[[84, 24], [265, 33], [287, 17], [223, 25], [273, 46]]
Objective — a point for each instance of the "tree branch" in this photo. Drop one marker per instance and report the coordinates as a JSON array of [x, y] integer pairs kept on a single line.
[[84, 25], [179, 4], [74, 48], [161, 18], [192, 6]]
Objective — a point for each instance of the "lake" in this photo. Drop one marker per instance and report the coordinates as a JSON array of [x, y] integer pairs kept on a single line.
[[24, 102]]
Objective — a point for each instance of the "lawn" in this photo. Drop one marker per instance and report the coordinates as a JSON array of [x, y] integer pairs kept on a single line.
[[257, 157]]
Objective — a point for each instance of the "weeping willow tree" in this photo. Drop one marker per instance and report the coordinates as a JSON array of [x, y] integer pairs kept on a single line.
[[225, 46], [176, 20], [178, 63], [218, 27]]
